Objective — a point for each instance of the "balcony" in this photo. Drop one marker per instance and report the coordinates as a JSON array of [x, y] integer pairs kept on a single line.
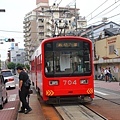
[[26, 49], [49, 22], [27, 25], [26, 21], [49, 28], [41, 31], [48, 34], [27, 35], [40, 37], [40, 23]]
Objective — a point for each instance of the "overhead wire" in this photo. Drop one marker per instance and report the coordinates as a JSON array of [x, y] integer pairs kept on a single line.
[[59, 2], [38, 32], [111, 10], [11, 31], [96, 8], [107, 17], [55, 1], [103, 10], [87, 25]]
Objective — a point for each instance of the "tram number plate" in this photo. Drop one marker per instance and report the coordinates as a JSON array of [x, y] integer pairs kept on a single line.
[[69, 82]]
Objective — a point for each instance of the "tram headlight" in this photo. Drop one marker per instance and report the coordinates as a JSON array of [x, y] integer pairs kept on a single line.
[[53, 82], [83, 81]]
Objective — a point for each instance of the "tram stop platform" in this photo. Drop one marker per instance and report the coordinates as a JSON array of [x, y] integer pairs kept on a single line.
[[36, 113]]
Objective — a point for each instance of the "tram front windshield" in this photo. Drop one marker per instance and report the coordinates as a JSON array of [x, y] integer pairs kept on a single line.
[[67, 58]]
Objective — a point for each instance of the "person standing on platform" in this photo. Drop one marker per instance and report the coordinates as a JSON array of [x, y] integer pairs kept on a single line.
[[23, 91], [106, 72], [110, 75]]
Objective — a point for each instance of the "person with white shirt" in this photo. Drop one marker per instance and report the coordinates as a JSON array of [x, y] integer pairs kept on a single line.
[[106, 72]]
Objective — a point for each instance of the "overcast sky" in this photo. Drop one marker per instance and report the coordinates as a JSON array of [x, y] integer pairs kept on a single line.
[[12, 19]]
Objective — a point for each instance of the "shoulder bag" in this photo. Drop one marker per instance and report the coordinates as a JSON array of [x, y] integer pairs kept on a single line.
[[27, 83]]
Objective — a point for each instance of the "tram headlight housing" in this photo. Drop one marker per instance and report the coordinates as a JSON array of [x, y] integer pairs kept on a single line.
[[53, 82], [83, 81]]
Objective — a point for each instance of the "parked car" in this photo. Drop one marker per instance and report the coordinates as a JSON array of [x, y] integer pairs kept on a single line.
[[8, 75], [3, 92]]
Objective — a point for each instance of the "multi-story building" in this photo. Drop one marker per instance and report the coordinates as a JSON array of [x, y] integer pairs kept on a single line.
[[15, 54], [48, 21], [30, 33]]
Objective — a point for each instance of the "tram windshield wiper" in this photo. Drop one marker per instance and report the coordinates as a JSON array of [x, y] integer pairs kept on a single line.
[[72, 72]]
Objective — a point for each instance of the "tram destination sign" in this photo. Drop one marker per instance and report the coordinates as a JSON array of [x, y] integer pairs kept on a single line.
[[67, 44]]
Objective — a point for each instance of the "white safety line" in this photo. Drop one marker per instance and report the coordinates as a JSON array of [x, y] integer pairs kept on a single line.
[[12, 108], [12, 97], [101, 93]]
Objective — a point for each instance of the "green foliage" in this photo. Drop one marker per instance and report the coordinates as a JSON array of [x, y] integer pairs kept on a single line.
[[11, 65], [27, 66], [18, 64]]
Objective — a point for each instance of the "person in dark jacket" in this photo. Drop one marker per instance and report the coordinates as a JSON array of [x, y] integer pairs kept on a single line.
[[110, 75], [23, 91]]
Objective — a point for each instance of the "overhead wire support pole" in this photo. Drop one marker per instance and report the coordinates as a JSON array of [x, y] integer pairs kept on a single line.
[[75, 18]]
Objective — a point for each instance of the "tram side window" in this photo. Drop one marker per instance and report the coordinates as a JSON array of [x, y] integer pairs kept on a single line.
[[49, 61]]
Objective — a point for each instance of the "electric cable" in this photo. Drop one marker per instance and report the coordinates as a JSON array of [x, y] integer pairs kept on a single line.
[[59, 2], [71, 3], [111, 10], [103, 10], [96, 8], [107, 17], [55, 1]]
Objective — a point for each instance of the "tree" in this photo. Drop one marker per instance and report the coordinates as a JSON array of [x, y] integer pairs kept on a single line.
[[19, 64], [27, 66], [11, 65]]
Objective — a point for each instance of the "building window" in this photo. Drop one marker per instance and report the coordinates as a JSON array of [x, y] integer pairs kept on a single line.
[[111, 49], [14, 60]]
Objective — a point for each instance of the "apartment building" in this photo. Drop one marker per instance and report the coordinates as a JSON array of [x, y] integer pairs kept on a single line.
[[47, 21], [15, 54]]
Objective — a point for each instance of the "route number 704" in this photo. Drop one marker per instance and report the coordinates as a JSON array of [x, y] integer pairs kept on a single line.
[[69, 82]]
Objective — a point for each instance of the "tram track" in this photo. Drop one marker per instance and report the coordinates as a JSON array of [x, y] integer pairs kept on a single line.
[[100, 109], [107, 107], [107, 100], [69, 112], [77, 112]]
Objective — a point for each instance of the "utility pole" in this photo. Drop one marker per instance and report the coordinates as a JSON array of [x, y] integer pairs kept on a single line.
[[75, 18], [1, 10]]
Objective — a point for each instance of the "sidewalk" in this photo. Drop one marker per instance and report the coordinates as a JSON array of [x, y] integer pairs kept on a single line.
[[107, 85], [36, 113]]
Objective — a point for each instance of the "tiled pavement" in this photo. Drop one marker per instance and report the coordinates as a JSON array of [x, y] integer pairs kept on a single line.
[[10, 111], [36, 113]]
